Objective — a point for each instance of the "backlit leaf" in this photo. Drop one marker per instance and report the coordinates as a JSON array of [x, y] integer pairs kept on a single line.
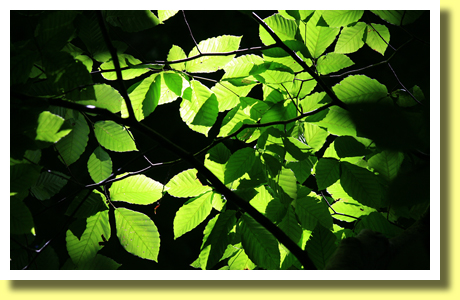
[[359, 89], [317, 38], [137, 233], [216, 238], [113, 136], [321, 246], [378, 37], [99, 165], [285, 29], [333, 62], [361, 184], [48, 127], [72, 146], [84, 249], [259, 244], [337, 18], [206, 64], [186, 184], [239, 163], [137, 189], [192, 213], [124, 59], [351, 38], [327, 172]]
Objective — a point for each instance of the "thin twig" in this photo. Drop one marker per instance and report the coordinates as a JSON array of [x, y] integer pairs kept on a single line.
[[370, 24], [191, 34], [396, 76], [336, 213], [292, 99], [217, 184], [279, 43], [166, 62]]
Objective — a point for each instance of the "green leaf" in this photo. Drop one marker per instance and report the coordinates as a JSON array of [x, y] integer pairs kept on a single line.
[[240, 261], [48, 128], [229, 95], [327, 172], [93, 204], [375, 221], [338, 121], [279, 112], [192, 213], [294, 150], [321, 246], [241, 66], [314, 136], [333, 62], [22, 177], [288, 182], [113, 136], [261, 200], [219, 153], [125, 60], [247, 112], [163, 15], [351, 38], [396, 16], [361, 184], [259, 244], [312, 210], [172, 87], [285, 29], [352, 209], [301, 169], [85, 249], [290, 226], [338, 18], [207, 64], [314, 101], [48, 185], [207, 114], [216, 168], [301, 15], [72, 146], [100, 95], [138, 95], [132, 20], [99, 165], [359, 89], [347, 146], [99, 262], [216, 238], [202, 106], [21, 221], [378, 37], [176, 53], [387, 163], [317, 38], [186, 184], [136, 189], [137, 233], [239, 163]]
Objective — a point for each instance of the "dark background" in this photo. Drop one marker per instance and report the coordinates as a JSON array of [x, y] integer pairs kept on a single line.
[[154, 44]]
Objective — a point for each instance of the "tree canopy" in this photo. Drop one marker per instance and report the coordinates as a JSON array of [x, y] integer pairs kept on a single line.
[[181, 140]]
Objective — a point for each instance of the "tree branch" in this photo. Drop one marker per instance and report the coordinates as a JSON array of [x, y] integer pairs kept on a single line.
[[279, 43], [116, 64], [301, 255]]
